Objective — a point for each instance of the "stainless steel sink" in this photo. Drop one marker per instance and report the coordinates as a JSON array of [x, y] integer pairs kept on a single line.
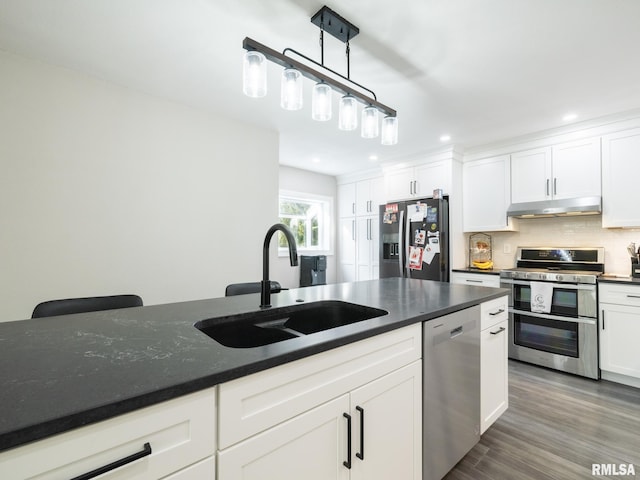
[[275, 325]]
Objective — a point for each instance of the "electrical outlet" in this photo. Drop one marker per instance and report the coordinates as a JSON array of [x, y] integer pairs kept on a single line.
[[506, 248]]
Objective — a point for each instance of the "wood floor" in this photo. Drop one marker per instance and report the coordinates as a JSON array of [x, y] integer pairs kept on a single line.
[[556, 427]]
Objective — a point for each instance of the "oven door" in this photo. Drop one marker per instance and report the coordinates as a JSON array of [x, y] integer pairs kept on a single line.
[[569, 345]]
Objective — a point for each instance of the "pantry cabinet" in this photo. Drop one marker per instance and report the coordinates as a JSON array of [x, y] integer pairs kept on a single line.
[[567, 170], [174, 439], [295, 421], [619, 330], [486, 194], [620, 171], [358, 225]]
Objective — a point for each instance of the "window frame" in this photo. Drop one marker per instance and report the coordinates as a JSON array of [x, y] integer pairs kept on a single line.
[[325, 222]]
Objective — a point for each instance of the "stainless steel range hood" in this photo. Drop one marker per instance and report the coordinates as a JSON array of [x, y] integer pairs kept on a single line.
[[556, 208]]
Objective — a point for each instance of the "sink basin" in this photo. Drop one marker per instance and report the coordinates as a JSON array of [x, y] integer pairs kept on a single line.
[[265, 327]]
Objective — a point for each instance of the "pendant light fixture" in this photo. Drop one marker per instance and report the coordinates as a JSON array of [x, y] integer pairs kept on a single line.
[[291, 89], [370, 124], [321, 102], [254, 75], [348, 113], [389, 131], [326, 81]]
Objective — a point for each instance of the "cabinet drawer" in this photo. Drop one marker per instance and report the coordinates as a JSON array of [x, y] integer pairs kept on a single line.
[[619, 294], [254, 403], [494, 311], [180, 432], [477, 279]]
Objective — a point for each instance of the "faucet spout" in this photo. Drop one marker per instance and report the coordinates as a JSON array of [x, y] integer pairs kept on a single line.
[[265, 290]]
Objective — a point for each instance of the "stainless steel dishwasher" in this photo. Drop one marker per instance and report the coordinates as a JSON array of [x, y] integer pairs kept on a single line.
[[451, 390]]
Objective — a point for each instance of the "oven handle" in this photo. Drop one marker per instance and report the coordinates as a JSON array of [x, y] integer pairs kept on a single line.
[[587, 320], [567, 286]]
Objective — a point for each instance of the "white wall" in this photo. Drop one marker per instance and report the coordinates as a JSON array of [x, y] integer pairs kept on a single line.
[[104, 190], [584, 231], [296, 180]]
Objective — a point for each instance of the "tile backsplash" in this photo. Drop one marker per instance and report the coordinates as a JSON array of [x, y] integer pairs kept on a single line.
[[579, 231]]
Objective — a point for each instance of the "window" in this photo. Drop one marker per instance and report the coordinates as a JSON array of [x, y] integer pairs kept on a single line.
[[309, 219]]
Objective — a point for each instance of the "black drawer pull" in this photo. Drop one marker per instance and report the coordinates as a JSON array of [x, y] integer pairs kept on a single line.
[[347, 463], [360, 454], [493, 314], [500, 330], [118, 463]]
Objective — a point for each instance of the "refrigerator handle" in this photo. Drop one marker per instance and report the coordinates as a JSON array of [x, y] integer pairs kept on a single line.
[[407, 270], [400, 240]]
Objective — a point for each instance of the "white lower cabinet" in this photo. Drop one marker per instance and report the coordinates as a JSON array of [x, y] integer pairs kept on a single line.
[[494, 374], [180, 434], [476, 279], [619, 332], [295, 421]]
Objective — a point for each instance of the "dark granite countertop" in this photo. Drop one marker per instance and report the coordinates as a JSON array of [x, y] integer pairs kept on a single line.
[[618, 279], [64, 372], [476, 270]]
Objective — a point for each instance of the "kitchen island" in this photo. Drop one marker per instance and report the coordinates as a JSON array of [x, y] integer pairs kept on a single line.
[[65, 372]]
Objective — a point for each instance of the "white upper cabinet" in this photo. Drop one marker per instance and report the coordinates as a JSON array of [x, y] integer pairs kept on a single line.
[[620, 173], [420, 181], [566, 170], [369, 195], [346, 200], [486, 194], [576, 169], [531, 175]]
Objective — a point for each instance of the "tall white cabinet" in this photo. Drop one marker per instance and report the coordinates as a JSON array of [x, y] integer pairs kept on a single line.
[[358, 240]]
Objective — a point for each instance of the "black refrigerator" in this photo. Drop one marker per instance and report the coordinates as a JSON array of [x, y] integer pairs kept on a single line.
[[414, 239]]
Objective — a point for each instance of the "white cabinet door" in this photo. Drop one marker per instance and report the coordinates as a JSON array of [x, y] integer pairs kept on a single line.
[[433, 176], [620, 173], [311, 446], [369, 195], [386, 421], [619, 334], [367, 247], [576, 169], [400, 184], [531, 175], [347, 249], [494, 398], [346, 200], [486, 194]]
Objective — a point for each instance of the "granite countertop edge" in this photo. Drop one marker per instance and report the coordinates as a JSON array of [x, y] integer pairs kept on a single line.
[[112, 373]]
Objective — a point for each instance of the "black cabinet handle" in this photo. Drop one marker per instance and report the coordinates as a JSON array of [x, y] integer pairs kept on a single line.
[[146, 451], [347, 463], [602, 319], [493, 314], [360, 454], [500, 330]]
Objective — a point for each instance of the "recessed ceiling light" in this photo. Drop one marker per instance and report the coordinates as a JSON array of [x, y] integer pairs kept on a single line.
[[373, 158], [315, 160], [569, 116], [445, 138]]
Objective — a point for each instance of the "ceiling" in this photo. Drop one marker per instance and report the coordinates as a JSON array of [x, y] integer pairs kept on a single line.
[[479, 71]]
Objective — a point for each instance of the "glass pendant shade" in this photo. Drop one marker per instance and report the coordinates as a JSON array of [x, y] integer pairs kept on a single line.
[[321, 102], [291, 89], [348, 113], [254, 74], [370, 128], [389, 131]]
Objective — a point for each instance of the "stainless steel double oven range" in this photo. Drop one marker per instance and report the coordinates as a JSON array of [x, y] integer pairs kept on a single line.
[[565, 338]]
